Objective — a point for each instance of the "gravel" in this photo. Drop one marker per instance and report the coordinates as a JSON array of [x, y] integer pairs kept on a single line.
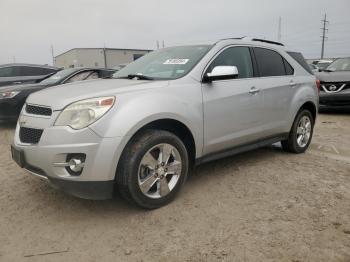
[[263, 205]]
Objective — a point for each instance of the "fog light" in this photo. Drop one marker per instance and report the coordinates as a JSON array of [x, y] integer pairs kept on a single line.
[[76, 164]]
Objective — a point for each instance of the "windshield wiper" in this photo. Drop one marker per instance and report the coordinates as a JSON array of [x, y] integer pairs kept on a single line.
[[140, 77]]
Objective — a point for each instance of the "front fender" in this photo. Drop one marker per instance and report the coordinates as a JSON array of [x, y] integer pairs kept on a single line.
[[135, 110]]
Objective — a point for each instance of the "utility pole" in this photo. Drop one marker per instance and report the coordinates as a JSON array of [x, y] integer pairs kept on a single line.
[[53, 56], [104, 55], [157, 44], [279, 35], [163, 45], [324, 30]]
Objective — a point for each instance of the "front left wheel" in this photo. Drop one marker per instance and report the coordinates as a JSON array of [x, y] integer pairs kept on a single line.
[[152, 169]]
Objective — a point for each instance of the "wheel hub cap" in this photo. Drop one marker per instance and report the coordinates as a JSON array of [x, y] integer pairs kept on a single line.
[[304, 131], [159, 171]]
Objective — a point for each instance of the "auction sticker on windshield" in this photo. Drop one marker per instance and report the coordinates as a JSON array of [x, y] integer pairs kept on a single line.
[[176, 61]]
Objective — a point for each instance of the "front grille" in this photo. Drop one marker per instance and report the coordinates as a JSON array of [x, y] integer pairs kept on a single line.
[[30, 135], [38, 110], [334, 87]]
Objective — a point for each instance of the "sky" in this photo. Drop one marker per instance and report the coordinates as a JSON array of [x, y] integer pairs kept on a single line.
[[28, 28]]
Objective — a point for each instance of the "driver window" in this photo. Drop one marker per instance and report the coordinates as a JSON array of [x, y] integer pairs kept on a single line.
[[79, 77], [235, 56]]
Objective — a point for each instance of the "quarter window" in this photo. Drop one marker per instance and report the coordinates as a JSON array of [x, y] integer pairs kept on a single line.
[[270, 63], [289, 68], [235, 56]]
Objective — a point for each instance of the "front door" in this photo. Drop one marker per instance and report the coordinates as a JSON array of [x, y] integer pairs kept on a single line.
[[233, 109]]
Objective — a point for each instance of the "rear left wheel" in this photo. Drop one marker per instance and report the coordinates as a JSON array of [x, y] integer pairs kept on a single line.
[[301, 133]]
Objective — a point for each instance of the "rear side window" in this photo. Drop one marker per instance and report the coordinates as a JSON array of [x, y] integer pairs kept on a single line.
[[32, 71], [7, 72], [270, 63], [46, 71], [235, 56], [301, 61]]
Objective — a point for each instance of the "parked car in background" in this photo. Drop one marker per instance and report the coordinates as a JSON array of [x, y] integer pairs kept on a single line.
[[16, 74], [335, 85], [164, 113], [314, 68], [12, 98], [322, 64], [119, 67]]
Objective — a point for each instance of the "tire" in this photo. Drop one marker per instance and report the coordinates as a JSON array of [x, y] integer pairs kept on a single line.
[[291, 144], [140, 167]]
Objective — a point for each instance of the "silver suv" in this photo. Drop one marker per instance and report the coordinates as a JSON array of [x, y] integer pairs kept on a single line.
[[141, 131]]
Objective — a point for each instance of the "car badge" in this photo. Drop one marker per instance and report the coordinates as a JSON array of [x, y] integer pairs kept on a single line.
[[332, 88]]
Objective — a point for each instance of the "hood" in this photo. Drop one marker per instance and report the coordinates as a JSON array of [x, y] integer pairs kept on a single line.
[[337, 76], [58, 97], [22, 87]]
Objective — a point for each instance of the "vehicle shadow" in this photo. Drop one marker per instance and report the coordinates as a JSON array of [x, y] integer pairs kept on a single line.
[[200, 178]]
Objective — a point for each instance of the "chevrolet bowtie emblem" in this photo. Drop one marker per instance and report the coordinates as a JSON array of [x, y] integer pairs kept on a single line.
[[22, 121]]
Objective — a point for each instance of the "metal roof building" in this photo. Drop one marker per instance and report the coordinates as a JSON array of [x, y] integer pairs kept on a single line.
[[98, 57]]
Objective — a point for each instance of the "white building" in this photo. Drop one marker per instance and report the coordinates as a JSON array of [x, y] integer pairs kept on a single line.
[[97, 57]]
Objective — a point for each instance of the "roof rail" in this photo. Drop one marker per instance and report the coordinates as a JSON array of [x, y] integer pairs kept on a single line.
[[267, 41], [252, 39]]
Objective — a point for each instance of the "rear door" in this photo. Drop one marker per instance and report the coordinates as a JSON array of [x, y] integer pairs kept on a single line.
[[277, 83]]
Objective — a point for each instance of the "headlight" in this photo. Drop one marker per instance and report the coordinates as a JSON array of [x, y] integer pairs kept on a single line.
[[83, 113], [8, 94]]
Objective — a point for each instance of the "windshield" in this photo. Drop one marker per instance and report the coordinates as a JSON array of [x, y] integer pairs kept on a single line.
[[342, 64], [58, 76], [168, 63]]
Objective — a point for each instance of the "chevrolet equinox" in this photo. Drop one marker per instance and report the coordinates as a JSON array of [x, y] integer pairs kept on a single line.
[[142, 130]]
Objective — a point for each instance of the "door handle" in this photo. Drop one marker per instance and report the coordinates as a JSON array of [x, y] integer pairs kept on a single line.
[[17, 83], [254, 90], [292, 83]]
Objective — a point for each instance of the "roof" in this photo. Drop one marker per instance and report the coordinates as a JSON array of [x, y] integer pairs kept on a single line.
[[32, 65], [101, 48]]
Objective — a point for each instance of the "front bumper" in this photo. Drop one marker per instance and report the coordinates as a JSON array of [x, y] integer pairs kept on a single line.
[[102, 154], [335, 100]]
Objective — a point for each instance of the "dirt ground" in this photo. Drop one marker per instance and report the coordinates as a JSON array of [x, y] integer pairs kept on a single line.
[[264, 205]]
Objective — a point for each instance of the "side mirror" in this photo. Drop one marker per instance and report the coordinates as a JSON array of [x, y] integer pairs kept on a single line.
[[221, 73]]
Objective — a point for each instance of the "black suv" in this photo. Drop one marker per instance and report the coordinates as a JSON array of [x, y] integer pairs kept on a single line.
[[335, 85], [15, 74]]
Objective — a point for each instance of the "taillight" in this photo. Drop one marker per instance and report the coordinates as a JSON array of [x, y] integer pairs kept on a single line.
[[318, 84]]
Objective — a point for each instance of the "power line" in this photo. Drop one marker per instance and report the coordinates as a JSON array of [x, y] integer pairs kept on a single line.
[[324, 30]]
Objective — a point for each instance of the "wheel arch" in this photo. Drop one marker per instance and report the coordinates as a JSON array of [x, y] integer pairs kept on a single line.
[[172, 125], [311, 107]]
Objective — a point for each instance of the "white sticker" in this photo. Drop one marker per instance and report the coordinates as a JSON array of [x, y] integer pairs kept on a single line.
[[176, 61]]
